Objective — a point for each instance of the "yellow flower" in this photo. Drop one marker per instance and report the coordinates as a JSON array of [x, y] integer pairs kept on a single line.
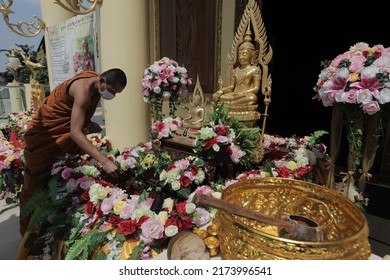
[[353, 77], [10, 158], [148, 161], [293, 165], [118, 206]]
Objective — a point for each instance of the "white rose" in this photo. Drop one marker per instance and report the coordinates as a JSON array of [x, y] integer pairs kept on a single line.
[[175, 185], [168, 203], [162, 217], [97, 192], [190, 208], [175, 80], [163, 175], [342, 72], [171, 230], [364, 96], [384, 96], [166, 94], [216, 195]]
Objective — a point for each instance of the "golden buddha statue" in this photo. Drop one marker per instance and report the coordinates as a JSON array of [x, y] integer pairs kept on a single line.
[[197, 111], [246, 78], [248, 81]]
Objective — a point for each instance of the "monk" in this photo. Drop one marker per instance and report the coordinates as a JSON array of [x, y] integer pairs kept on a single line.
[[59, 125]]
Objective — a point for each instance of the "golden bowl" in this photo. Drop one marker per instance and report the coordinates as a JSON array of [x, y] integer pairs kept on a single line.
[[344, 226]]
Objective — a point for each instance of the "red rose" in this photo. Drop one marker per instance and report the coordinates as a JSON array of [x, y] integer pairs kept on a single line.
[[181, 207], [114, 220], [208, 144], [142, 220], [127, 227], [284, 172], [89, 208], [172, 166], [85, 195], [99, 212], [186, 223], [221, 130], [193, 169], [229, 150], [160, 126], [172, 222], [185, 181]]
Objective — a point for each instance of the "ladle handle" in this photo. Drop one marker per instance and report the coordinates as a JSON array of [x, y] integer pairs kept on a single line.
[[228, 207]]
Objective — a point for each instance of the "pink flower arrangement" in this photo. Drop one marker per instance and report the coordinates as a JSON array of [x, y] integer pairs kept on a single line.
[[359, 76], [164, 79], [11, 171]]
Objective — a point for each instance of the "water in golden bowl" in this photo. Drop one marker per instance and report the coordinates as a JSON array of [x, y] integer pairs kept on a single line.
[[344, 226]]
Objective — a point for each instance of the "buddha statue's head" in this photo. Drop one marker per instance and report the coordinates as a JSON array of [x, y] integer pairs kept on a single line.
[[247, 53]]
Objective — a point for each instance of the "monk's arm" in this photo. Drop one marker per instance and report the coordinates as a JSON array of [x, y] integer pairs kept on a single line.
[[78, 119]]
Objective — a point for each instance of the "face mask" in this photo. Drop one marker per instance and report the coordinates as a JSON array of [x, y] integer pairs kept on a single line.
[[106, 95]]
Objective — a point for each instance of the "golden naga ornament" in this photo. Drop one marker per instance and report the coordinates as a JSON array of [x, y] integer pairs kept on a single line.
[[21, 28]]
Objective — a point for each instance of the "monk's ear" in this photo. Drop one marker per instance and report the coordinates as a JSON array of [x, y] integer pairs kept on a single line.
[[102, 80]]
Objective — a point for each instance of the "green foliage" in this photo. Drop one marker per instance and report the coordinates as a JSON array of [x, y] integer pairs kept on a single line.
[[316, 135], [136, 253], [36, 199]]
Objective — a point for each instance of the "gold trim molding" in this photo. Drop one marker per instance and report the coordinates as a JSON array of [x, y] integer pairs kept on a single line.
[[21, 28], [77, 6]]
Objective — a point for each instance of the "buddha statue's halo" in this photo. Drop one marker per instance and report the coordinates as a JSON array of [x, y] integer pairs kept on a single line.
[[247, 44]]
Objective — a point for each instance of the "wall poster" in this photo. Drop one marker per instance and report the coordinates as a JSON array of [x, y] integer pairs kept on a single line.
[[73, 47]]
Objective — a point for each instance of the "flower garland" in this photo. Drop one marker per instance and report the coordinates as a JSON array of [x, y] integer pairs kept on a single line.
[[359, 76], [164, 79]]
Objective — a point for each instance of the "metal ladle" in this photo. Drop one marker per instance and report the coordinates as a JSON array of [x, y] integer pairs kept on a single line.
[[294, 227]]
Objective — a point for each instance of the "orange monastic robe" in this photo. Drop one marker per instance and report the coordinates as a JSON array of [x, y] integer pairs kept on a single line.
[[48, 136]]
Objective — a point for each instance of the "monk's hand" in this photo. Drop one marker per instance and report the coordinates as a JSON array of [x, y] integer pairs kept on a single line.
[[92, 127], [110, 168]]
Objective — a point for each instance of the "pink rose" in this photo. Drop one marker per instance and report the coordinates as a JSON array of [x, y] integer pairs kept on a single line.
[[150, 230], [201, 217], [371, 107]]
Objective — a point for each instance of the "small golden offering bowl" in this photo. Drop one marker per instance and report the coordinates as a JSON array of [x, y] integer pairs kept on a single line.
[[343, 225]]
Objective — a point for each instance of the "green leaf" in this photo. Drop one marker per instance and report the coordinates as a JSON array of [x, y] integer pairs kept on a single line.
[[136, 253], [31, 204], [40, 215], [78, 247], [53, 188], [184, 192]]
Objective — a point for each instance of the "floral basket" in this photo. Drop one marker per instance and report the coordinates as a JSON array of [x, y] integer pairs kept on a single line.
[[164, 80], [357, 85]]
